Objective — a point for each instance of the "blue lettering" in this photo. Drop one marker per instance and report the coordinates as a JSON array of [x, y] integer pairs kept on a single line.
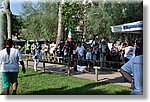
[[133, 26]]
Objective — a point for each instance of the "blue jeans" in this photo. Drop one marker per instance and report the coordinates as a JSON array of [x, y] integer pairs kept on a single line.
[[94, 57]]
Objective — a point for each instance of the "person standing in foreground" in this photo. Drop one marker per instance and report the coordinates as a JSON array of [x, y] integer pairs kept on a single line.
[[9, 58], [133, 72]]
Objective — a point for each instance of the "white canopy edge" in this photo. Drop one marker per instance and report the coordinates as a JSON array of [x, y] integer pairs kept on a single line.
[[128, 27]]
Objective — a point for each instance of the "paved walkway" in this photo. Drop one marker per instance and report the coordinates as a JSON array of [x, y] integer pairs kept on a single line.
[[108, 76]]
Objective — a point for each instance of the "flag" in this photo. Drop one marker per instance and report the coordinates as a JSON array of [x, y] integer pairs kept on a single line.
[[69, 35]]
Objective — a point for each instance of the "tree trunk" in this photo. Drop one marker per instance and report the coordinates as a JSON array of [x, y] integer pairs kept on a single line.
[[8, 14], [59, 34], [2, 29]]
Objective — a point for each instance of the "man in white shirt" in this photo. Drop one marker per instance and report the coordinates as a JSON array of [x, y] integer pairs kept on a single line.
[[133, 72], [9, 58], [45, 49], [52, 48], [129, 52], [33, 47], [80, 53]]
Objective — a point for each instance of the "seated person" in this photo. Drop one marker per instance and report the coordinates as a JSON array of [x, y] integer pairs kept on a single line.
[[133, 72]]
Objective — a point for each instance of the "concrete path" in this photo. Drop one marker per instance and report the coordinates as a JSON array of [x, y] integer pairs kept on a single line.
[[107, 76]]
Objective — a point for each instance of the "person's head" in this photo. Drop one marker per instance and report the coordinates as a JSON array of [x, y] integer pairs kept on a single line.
[[61, 41], [103, 40], [58, 46], [113, 44], [79, 43], [96, 44], [124, 44], [130, 43], [126, 41], [9, 43], [119, 42], [14, 45], [53, 42], [27, 41]]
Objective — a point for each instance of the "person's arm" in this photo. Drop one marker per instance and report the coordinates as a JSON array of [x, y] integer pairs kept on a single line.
[[100, 48], [21, 61], [77, 50]]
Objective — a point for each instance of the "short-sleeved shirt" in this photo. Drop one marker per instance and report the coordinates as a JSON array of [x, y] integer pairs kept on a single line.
[[38, 54], [80, 50], [135, 67], [104, 48], [52, 48], [9, 63], [129, 52], [27, 46], [95, 48]]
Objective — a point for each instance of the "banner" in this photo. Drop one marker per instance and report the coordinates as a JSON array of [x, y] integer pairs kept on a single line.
[[132, 26], [128, 27]]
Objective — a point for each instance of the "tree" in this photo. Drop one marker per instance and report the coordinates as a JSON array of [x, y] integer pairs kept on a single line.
[[2, 29], [40, 20], [8, 14], [72, 14], [16, 24], [103, 15], [59, 23]]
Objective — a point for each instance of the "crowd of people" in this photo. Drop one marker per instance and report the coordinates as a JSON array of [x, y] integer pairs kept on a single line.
[[80, 55], [98, 53]]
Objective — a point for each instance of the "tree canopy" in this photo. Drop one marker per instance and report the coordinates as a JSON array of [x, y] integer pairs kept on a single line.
[[106, 14], [41, 20]]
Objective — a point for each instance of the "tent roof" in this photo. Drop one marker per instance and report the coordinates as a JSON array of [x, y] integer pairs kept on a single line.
[[128, 27]]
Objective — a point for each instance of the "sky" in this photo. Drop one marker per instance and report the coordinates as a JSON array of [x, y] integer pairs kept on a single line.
[[16, 5]]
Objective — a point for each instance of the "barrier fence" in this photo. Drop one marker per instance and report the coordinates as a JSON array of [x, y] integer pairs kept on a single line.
[[68, 61]]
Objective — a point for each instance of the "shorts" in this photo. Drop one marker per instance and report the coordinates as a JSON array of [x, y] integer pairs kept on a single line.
[[36, 60], [88, 56], [9, 78]]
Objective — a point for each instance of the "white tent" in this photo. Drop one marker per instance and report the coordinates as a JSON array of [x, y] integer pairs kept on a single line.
[[128, 27]]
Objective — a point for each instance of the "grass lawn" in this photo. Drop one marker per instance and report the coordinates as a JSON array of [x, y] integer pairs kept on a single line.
[[39, 83]]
